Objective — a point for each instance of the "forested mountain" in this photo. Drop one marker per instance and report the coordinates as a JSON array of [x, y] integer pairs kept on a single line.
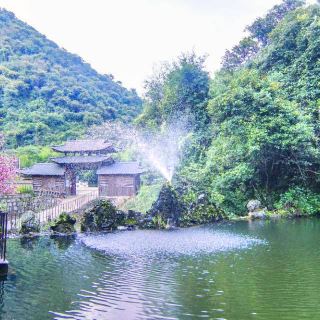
[[259, 137], [47, 94]]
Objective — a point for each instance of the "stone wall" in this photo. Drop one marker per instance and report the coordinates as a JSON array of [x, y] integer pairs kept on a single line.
[[18, 204]]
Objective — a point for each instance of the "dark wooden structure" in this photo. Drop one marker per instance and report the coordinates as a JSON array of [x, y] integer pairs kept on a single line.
[[47, 176], [60, 175], [3, 243], [119, 179]]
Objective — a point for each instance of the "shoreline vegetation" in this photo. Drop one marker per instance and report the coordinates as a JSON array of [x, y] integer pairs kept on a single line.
[[103, 216]]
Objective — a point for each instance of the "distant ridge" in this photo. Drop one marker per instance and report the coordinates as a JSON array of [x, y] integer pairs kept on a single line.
[[48, 95]]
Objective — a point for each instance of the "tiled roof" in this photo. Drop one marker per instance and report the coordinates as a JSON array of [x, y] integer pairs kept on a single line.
[[81, 159], [44, 169], [85, 146], [121, 168]]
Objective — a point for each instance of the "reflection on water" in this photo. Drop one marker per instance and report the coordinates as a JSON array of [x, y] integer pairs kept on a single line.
[[262, 270]]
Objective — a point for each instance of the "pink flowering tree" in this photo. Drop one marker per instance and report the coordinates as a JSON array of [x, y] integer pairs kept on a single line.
[[7, 172]]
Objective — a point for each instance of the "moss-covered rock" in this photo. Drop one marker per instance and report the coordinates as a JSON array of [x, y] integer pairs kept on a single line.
[[102, 216], [167, 209], [63, 224], [30, 223]]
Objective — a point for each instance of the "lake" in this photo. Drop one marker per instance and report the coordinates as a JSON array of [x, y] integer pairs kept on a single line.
[[237, 270]]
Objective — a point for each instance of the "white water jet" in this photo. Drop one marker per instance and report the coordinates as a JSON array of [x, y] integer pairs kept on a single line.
[[160, 150]]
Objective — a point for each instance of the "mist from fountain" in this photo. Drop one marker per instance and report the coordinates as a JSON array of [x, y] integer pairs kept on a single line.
[[161, 150]]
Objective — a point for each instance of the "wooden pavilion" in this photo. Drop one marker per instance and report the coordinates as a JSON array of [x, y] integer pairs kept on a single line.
[[115, 179]]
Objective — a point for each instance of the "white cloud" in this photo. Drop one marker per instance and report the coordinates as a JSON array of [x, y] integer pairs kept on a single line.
[[126, 37]]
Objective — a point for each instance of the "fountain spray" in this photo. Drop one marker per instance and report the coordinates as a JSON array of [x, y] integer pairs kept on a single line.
[[161, 151]]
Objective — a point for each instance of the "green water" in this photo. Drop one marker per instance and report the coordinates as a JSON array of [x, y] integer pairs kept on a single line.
[[259, 270]]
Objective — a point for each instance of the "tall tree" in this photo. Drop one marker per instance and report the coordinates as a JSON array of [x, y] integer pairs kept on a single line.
[[259, 33]]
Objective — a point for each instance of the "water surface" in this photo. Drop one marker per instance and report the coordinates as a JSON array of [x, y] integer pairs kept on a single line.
[[258, 270]]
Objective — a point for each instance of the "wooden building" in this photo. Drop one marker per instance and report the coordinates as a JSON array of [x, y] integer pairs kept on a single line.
[[47, 176], [115, 179], [119, 179]]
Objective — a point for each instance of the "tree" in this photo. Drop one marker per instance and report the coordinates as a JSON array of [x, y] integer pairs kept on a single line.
[[179, 91], [262, 27], [240, 54], [7, 172], [259, 33]]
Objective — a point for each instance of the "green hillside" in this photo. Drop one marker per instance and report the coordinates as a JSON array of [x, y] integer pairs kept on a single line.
[[48, 94]]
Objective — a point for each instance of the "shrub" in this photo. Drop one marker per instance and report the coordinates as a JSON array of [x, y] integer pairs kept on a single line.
[[102, 216], [63, 224], [299, 201], [25, 189]]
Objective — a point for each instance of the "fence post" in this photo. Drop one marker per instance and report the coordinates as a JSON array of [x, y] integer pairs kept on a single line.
[[3, 243]]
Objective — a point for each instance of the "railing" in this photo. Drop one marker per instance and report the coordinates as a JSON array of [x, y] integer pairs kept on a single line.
[[67, 206], [16, 205], [3, 235], [47, 205]]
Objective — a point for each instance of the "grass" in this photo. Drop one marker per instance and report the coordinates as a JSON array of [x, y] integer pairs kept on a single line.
[[145, 198]]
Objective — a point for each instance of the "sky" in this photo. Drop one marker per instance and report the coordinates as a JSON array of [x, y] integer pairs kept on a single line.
[[130, 38]]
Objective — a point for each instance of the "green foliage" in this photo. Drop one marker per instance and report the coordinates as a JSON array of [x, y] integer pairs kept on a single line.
[[158, 222], [102, 216], [259, 35], [63, 224], [25, 189], [180, 91], [30, 223], [48, 95], [29, 155], [201, 214], [145, 198], [299, 201], [90, 176], [262, 137], [264, 123]]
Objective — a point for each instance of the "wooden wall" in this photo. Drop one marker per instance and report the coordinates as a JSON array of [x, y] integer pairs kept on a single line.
[[118, 185], [49, 183]]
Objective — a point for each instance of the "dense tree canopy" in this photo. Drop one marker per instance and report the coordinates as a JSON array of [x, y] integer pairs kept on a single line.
[[178, 93], [259, 34], [262, 137]]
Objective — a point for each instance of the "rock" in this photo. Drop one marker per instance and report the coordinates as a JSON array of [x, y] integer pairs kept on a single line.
[[202, 198], [63, 224], [170, 225], [30, 223], [253, 205], [167, 206], [255, 210], [259, 214], [102, 216]]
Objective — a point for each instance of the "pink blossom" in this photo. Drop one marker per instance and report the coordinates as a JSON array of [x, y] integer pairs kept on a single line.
[[7, 174]]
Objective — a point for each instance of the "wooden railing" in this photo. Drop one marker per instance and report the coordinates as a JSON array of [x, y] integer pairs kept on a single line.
[[67, 206], [46, 205]]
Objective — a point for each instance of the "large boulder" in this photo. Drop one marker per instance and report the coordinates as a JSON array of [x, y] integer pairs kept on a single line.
[[255, 210], [253, 205], [103, 215], [30, 223], [167, 209], [63, 224]]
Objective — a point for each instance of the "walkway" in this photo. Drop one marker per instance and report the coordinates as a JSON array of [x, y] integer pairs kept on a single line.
[[70, 204]]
